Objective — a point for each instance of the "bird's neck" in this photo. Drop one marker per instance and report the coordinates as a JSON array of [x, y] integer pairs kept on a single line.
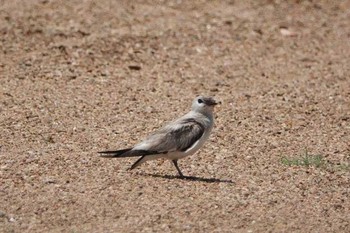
[[207, 115]]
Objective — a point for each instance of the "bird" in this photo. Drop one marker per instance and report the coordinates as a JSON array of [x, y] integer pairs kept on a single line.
[[176, 140]]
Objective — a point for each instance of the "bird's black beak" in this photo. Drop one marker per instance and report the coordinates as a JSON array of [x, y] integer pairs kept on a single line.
[[214, 103]]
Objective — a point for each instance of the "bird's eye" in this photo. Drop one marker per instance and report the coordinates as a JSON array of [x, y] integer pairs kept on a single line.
[[200, 101]]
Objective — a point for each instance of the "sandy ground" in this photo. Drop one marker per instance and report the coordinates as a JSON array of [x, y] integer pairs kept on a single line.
[[77, 77]]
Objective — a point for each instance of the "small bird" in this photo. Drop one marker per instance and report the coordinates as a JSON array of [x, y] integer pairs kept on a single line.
[[180, 138]]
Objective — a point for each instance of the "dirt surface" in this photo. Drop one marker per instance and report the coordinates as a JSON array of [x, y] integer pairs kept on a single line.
[[77, 77]]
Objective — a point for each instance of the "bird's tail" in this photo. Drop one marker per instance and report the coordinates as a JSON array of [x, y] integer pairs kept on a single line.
[[126, 153], [116, 153]]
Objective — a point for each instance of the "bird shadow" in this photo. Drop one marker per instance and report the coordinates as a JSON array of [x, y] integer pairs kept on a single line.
[[189, 178]]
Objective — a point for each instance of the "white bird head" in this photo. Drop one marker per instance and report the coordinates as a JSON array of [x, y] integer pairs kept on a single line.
[[204, 104]]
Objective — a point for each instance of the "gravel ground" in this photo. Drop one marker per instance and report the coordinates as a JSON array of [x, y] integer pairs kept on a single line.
[[77, 77]]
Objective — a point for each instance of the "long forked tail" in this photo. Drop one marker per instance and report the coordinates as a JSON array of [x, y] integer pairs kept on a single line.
[[115, 153], [126, 153]]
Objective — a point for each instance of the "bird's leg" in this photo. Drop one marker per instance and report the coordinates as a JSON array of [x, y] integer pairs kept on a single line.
[[177, 168]]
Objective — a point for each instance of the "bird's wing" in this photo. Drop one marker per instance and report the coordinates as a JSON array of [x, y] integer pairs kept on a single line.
[[178, 136]]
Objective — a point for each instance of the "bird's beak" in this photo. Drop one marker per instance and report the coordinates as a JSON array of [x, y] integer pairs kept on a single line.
[[215, 103]]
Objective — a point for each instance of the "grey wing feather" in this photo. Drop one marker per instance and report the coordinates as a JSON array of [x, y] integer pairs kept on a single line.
[[176, 138]]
